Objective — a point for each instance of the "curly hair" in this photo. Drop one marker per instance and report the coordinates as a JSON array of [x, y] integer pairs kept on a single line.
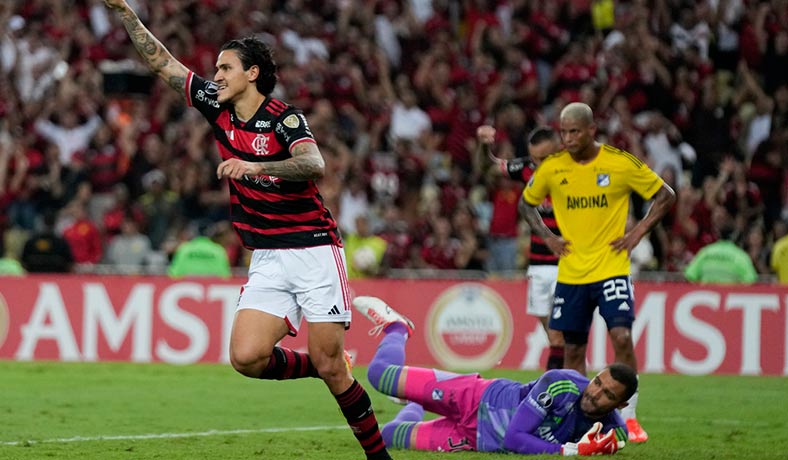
[[253, 51]]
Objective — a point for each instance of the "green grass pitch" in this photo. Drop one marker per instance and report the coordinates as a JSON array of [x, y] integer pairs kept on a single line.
[[153, 411]]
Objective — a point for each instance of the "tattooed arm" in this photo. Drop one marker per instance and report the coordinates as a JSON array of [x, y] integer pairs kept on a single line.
[[155, 54], [307, 164]]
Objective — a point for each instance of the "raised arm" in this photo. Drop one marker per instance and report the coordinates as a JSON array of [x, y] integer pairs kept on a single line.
[[156, 56]]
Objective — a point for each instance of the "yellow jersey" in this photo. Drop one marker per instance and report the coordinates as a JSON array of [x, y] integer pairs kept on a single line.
[[591, 204], [779, 259]]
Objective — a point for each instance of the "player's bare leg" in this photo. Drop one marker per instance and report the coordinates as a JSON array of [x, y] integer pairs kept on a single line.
[[555, 357], [326, 349], [575, 357], [621, 338], [252, 343]]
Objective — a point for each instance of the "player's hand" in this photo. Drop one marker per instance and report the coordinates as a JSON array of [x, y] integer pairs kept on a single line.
[[594, 443], [626, 242], [237, 169], [116, 4], [558, 245], [485, 134]]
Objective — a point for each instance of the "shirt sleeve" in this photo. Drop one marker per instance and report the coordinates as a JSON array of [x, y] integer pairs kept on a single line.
[[292, 128], [537, 187], [201, 94], [531, 412], [645, 181]]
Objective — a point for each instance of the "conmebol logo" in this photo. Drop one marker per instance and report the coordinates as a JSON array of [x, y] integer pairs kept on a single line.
[[469, 327]]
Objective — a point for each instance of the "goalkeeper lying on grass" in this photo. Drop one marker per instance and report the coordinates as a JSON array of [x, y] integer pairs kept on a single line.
[[561, 412]]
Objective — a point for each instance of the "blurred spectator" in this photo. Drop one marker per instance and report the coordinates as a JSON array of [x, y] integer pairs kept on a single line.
[[130, 250], [201, 256], [755, 245], [441, 250], [159, 204], [123, 208], [353, 202], [67, 133], [364, 250], [45, 251], [722, 262], [82, 235], [667, 78], [9, 266]]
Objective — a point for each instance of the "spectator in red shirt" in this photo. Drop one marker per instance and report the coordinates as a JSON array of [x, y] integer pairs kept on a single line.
[[82, 235]]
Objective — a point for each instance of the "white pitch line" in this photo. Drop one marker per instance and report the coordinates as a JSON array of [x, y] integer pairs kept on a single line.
[[305, 428], [169, 435]]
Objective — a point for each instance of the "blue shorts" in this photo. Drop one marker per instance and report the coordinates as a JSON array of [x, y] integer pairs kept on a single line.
[[574, 304]]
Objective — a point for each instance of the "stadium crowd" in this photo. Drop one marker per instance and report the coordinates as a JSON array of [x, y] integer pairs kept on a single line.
[[95, 151]]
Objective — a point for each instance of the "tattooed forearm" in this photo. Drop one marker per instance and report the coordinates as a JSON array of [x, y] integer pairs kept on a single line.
[[531, 215], [148, 46], [177, 82], [306, 164], [157, 57]]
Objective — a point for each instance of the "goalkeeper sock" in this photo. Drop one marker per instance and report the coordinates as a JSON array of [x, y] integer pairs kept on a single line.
[[397, 433], [357, 409], [286, 364], [630, 411], [389, 359], [555, 360]]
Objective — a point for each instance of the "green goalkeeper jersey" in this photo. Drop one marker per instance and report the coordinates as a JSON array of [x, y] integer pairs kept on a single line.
[[721, 262]]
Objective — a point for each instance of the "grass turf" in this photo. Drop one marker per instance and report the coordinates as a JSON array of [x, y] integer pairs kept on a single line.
[[156, 411]]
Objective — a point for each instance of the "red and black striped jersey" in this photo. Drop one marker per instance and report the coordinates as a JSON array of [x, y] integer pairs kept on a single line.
[[267, 212], [522, 169]]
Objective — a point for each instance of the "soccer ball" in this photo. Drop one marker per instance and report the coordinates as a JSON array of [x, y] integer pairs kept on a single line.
[[364, 258]]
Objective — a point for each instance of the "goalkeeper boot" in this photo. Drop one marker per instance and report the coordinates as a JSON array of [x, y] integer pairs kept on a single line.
[[636, 432], [380, 314]]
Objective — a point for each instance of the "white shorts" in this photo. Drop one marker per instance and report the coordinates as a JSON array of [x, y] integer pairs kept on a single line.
[[299, 283], [541, 287]]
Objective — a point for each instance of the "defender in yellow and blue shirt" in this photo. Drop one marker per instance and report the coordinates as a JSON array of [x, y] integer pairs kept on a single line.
[[590, 184]]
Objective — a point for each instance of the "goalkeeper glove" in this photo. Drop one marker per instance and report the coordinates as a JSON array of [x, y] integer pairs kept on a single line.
[[594, 443]]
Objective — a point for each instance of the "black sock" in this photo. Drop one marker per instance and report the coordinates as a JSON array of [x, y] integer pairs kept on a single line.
[[357, 409], [555, 360], [286, 364]]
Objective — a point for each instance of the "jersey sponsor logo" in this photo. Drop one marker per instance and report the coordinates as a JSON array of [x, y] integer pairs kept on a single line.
[[291, 121], [211, 88], [469, 327], [545, 399], [334, 310], [586, 202], [260, 145], [546, 433], [564, 181], [437, 394], [265, 181], [230, 134], [281, 130], [265, 124], [603, 180], [203, 96]]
